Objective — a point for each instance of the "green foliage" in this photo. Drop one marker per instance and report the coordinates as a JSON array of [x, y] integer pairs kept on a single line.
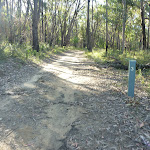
[[97, 55], [140, 76], [26, 53], [12, 50], [144, 78], [75, 41], [3, 52], [44, 46], [142, 58]]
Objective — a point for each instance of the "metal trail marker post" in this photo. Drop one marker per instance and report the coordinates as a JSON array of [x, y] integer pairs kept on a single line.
[[131, 78]]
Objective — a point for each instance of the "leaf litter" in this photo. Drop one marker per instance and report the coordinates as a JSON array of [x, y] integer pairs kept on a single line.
[[108, 119]]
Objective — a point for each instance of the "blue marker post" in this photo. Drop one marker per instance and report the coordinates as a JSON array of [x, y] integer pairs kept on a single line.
[[131, 80]]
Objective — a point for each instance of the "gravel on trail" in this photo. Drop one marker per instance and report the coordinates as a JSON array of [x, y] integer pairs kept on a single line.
[[70, 103]]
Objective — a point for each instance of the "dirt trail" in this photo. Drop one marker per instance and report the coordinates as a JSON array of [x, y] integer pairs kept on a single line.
[[68, 104], [40, 113]]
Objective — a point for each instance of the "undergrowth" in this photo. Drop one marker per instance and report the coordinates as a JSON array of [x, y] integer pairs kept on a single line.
[[141, 57], [25, 52]]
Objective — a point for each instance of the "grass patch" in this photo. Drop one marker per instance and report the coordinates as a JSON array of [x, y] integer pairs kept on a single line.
[[97, 55]]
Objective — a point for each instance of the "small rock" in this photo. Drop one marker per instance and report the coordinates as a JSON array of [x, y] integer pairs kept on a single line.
[[1, 119]]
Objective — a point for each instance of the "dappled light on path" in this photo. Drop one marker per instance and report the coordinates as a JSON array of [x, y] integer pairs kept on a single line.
[[69, 104]]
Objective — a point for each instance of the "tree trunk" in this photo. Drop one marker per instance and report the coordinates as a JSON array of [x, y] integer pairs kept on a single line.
[[42, 22], [71, 24], [143, 25], [35, 19], [148, 29], [55, 29], [64, 32], [106, 27], [124, 25], [118, 40], [9, 23], [89, 46], [113, 45], [92, 25], [0, 17], [19, 12], [20, 16], [62, 40], [67, 37], [0, 9], [45, 24]]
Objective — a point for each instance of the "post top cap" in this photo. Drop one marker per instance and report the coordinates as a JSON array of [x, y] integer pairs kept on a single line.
[[133, 60]]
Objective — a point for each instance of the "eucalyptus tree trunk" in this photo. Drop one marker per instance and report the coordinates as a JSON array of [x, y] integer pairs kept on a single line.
[[42, 21], [114, 36], [67, 37], [124, 25], [35, 20], [0, 15], [35, 27], [0, 9], [143, 25], [9, 22], [106, 26], [92, 25], [20, 26], [148, 29], [45, 21], [55, 27], [118, 40], [19, 8], [89, 47], [71, 24]]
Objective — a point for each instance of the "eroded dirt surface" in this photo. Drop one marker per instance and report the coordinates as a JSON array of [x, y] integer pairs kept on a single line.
[[71, 104]]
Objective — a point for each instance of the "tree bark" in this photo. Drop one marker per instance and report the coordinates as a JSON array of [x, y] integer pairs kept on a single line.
[[71, 24], [106, 27], [35, 20], [19, 5], [67, 37], [143, 25], [9, 23], [55, 29], [42, 21], [124, 25], [114, 36], [0, 17], [20, 29], [148, 29], [45, 25], [92, 25], [0, 9], [89, 47]]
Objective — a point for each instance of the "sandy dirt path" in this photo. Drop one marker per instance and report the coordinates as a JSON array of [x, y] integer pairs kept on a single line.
[[68, 104], [39, 113]]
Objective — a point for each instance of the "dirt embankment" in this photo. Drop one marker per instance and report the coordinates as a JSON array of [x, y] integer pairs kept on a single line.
[[66, 104]]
